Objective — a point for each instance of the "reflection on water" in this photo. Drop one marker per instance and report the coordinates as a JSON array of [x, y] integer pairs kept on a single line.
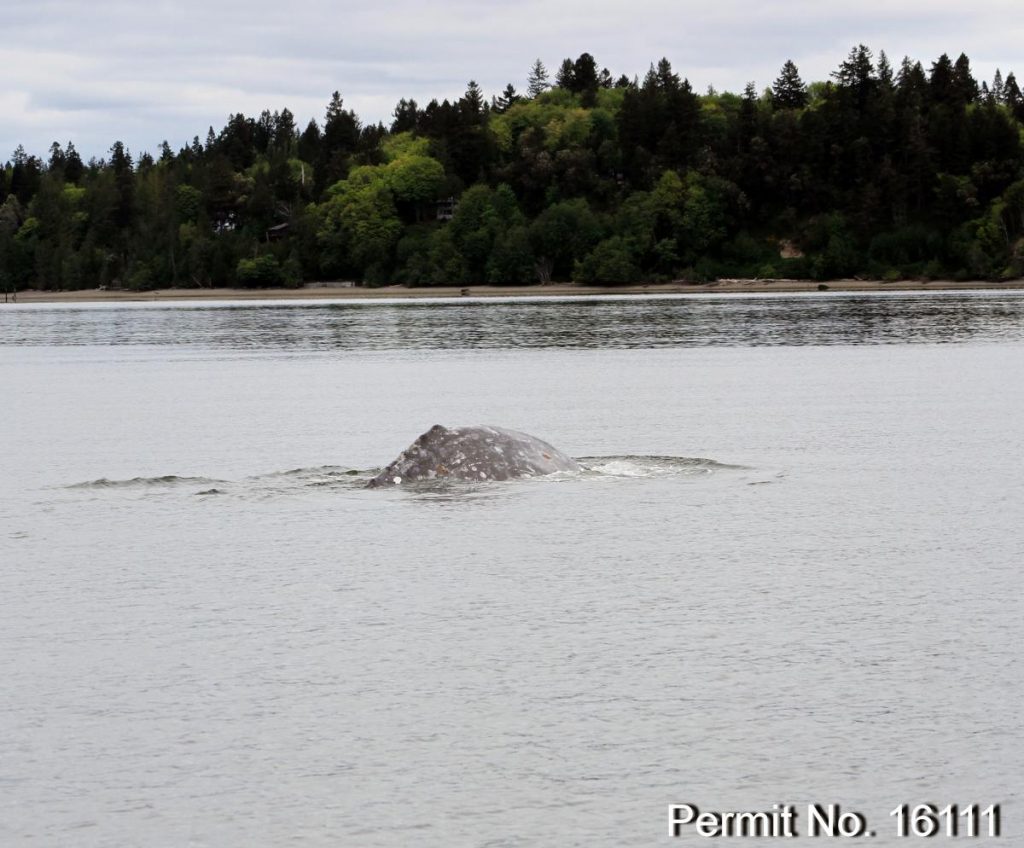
[[622, 322]]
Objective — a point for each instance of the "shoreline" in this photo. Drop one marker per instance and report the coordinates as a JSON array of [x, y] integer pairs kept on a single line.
[[321, 291]]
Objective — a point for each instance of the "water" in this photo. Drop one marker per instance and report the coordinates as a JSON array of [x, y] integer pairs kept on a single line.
[[791, 573]]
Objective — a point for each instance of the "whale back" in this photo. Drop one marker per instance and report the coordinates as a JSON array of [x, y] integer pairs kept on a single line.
[[474, 453]]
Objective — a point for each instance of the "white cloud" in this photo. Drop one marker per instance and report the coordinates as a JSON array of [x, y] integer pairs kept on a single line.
[[141, 73]]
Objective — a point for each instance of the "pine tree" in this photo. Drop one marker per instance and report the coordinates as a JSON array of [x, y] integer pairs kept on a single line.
[[339, 141], [406, 116], [284, 130], [472, 102], [941, 81], [537, 82], [997, 86], [747, 123], [668, 80], [789, 91], [566, 76], [885, 75], [341, 127], [584, 74], [1012, 96], [121, 165], [57, 158], [73, 167], [309, 142], [911, 77], [857, 71], [506, 99], [964, 84]]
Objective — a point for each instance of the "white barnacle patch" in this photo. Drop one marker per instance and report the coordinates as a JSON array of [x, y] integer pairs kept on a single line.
[[483, 476]]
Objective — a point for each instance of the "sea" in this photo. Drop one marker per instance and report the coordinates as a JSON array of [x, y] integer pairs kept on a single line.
[[789, 573]]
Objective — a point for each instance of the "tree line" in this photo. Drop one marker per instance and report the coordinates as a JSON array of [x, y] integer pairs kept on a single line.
[[882, 171]]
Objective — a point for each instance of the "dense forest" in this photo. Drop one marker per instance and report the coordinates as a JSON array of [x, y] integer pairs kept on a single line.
[[880, 171]]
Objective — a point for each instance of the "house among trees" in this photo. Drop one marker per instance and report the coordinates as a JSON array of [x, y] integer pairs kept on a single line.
[[446, 209], [278, 232]]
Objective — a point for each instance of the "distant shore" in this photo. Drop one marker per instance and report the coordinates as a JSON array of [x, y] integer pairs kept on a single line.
[[322, 291]]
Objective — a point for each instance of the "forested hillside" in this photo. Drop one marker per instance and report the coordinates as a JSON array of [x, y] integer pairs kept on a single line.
[[883, 171]]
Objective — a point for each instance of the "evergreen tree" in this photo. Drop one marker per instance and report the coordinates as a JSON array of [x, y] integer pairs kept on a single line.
[[284, 131], [884, 68], [472, 102], [964, 84], [667, 79], [997, 86], [537, 82], [57, 159], [1012, 96], [405, 117], [789, 91], [121, 166], [263, 134], [341, 127], [309, 143], [566, 76], [584, 75], [506, 99], [338, 143], [73, 167], [857, 71], [941, 81]]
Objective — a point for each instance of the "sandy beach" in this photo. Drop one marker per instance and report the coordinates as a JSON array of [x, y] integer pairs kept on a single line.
[[321, 291]]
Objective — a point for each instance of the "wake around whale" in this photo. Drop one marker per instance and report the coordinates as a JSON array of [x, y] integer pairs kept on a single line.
[[474, 454]]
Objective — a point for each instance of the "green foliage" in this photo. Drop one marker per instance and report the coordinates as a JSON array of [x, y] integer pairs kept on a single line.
[[259, 271], [188, 203], [404, 144], [414, 178], [483, 215], [904, 248], [879, 171], [511, 260], [610, 262], [359, 224], [561, 235]]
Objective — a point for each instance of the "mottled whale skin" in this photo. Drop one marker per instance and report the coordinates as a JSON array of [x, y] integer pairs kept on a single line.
[[473, 453]]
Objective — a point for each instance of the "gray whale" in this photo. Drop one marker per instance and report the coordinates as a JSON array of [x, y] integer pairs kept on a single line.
[[473, 453]]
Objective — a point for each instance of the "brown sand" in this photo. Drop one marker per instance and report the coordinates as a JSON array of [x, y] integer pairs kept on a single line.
[[327, 291]]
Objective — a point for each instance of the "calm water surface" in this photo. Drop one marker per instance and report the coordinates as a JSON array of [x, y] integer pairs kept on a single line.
[[791, 574]]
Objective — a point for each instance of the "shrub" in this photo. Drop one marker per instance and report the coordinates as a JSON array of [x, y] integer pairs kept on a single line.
[[610, 262], [260, 271]]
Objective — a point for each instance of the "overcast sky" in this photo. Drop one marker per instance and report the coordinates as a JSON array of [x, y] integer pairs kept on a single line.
[[143, 72]]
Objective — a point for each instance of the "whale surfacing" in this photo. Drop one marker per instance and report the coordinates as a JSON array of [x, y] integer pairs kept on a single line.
[[473, 453]]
